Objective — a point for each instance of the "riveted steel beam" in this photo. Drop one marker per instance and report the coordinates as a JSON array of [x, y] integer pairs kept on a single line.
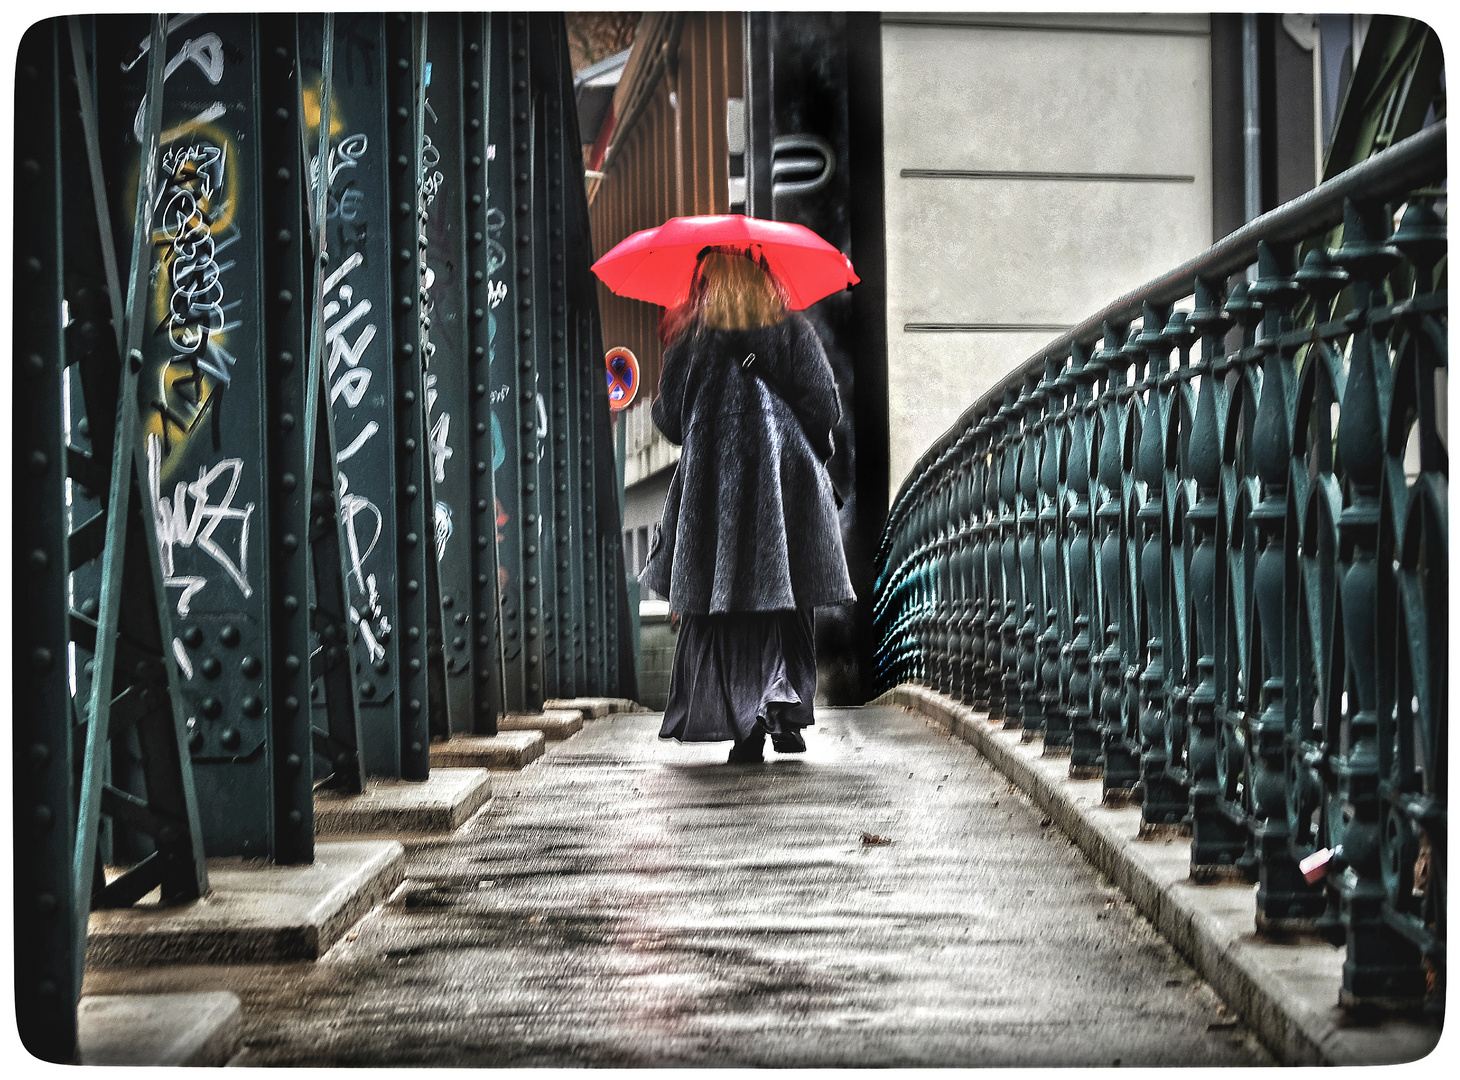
[[47, 982], [445, 347], [485, 372], [224, 309], [134, 717]]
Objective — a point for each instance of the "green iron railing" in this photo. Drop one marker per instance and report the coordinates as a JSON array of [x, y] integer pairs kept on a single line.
[[1198, 543]]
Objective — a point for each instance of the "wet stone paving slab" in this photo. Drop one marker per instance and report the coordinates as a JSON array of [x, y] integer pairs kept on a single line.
[[884, 899]]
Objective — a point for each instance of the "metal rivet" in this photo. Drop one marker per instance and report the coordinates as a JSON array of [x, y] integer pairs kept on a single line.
[[212, 668], [250, 666], [291, 664], [212, 708], [231, 738], [193, 637], [291, 604], [288, 541]]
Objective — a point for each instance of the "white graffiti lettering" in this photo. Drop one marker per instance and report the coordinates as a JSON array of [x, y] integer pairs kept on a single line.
[[360, 440], [179, 527], [443, 529], [374, 628], [206, 52]]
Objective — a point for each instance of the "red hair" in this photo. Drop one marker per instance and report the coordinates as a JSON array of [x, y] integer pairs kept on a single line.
[[731, 289]]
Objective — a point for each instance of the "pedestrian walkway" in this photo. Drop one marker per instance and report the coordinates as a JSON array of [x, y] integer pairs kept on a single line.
[[885, 899]]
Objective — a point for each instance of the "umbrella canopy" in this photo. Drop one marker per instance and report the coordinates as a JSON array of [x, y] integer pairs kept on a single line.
[[657, 264]]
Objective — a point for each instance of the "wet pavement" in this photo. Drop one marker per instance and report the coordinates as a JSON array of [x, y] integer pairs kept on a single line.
[[627, 902]]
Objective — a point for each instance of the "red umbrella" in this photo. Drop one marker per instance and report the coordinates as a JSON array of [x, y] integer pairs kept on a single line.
[[657, 264]]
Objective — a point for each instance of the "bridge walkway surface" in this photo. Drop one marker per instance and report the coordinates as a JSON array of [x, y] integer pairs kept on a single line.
[[886, 898]]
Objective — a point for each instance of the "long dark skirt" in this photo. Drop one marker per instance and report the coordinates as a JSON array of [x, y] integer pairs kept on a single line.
[[736, 669]]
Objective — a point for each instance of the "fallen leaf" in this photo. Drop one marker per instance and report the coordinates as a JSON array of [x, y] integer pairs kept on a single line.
[[873, 840], [1046, 822]]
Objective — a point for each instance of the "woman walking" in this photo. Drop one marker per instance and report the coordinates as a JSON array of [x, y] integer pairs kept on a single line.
[[749, 543]]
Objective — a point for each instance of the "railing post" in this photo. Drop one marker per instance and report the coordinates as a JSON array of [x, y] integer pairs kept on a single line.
[[1163, 803], [962, 576], [994, 592], [1119, 766], [1216, 841], [1056, 723], [1031, 704], [1084, 735], [1382, 964], [1235, 387], [1283, 897], [1014, 406], [978, 656], [1412, 559]]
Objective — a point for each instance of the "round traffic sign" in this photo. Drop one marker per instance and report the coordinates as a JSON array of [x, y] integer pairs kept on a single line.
[[623, 377]]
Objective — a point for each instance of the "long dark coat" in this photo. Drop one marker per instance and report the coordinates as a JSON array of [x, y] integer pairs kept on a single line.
[[749, 523]]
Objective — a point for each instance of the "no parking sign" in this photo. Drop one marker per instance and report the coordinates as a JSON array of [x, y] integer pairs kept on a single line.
[[623, 377]]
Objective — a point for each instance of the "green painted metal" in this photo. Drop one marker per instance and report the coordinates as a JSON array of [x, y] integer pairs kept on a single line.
[[47, 974], [132, 692], [1396, 87], [196, 580], [1241, 563], [337, 747]]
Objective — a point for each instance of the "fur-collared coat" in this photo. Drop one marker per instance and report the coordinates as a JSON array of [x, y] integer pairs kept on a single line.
[[750, 523]]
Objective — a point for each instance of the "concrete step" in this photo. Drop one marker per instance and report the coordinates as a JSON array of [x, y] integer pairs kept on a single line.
[[159, 1029], [505, 750], [255, 911], [594, 708], [439, 804], [553, 723]]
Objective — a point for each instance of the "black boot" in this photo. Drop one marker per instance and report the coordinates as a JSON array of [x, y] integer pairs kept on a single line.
[[750, 750], [789, 741]]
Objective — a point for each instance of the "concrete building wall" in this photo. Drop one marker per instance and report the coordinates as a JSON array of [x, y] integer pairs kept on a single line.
[[1036, 166]]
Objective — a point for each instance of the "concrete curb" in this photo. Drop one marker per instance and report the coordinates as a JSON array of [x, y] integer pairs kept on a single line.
[[505, 750], [254, 912], [595, 708], [439, 804], [555, 724], [200, 1029], [1287, 994]]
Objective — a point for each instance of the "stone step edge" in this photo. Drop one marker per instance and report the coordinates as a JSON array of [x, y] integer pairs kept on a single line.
[[1289, 1034], [594, 708], [518, 748], [555, 724]]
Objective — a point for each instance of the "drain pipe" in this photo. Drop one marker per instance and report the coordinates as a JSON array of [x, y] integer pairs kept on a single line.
[[1251, 126]]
